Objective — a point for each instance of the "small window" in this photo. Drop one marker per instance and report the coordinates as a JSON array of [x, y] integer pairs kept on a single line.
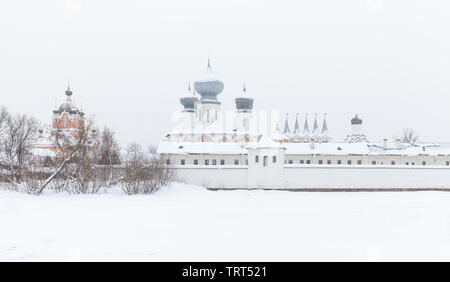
[[329, 162], [246, 162], [256, 159], [339, 162], [183, 162], [206, 162], [290, 161], [302, 161], [392, 162], [274, 159], [424, 162], [308, 161], [222, 162], [374, 162], [320, 162], [412, 163], [168, 162], [214, 162], [447, 163], [349, 162], [195, 162], [236, 162], [265, 161], [406, 163], [359, 162]]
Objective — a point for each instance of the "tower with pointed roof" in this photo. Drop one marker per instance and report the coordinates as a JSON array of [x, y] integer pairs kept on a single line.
[[286, 130], [306, 134], [324, 132], [296, 137]]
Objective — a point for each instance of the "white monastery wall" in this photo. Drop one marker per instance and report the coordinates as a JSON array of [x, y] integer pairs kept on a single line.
[[317, 177]]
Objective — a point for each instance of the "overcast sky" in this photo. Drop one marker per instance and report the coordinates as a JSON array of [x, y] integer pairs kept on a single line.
[[130, 61]]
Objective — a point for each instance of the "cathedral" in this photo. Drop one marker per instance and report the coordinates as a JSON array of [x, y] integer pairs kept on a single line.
[[67, 120]]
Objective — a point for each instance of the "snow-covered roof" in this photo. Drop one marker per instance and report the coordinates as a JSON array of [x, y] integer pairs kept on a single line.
[[326, 148], [201, 148], [332, 148]]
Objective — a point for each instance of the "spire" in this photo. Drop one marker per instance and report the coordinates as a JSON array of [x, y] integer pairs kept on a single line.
[[315, 126], [209, 62], [68, 91], [244, 90], [286, 126], [306, 125], [189, 87], [324, 125], [297, 127]]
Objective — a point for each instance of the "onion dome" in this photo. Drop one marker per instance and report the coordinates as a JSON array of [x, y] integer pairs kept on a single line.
[[244, 103], [189, 100], [67, 106], [209, 86], [356, 120]]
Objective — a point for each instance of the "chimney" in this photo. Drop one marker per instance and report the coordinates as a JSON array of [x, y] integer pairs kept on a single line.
[[385, 144]]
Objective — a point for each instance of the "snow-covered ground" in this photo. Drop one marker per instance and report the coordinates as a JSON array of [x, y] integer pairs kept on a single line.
[[191, 223]]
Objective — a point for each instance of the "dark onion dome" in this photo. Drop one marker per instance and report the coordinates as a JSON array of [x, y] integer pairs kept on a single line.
[[189, 101], [356, 120], [209, 86], [67, 106], [244, 103]]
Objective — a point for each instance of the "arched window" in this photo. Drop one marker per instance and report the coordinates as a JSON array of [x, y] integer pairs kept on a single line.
[[274, 159], [65, 121]]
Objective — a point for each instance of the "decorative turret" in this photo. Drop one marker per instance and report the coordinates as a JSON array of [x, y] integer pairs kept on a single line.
[[209, 86], [244, 103], [306, 135], [286, 130], [357, 134], [189, 100], [324, 132]]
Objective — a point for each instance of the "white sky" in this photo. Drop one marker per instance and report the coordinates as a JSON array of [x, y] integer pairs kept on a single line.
[[130, 61]]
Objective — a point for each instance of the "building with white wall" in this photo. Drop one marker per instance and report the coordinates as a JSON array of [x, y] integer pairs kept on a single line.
[[209, 148]]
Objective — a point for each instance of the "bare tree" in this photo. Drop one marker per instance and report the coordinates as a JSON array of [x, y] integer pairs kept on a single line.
[[72, 147], [108, 154], [409, 136], [17, 140]]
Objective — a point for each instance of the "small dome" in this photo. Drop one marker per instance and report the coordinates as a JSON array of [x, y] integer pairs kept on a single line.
[[209, 86], [188, 103], [356, 120], [244, 103]]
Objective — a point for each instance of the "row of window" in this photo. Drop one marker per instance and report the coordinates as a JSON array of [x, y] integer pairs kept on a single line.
[[206, 162], [274, 160], [349, 162]]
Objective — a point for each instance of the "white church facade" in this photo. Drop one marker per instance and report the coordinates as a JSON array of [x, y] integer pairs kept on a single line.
[[236, 150]]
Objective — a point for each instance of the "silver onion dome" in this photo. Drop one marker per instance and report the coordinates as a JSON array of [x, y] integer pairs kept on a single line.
[[189, 101], [209, 86], [244, 103]]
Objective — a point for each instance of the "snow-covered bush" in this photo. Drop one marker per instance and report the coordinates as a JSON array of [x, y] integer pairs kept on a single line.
[[144, 173]]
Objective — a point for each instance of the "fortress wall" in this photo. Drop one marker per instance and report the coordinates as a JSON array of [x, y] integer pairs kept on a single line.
[[234, 176], [315, 177]]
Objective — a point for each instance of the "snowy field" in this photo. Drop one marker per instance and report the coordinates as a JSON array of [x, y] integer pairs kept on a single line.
[[191, 223]]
